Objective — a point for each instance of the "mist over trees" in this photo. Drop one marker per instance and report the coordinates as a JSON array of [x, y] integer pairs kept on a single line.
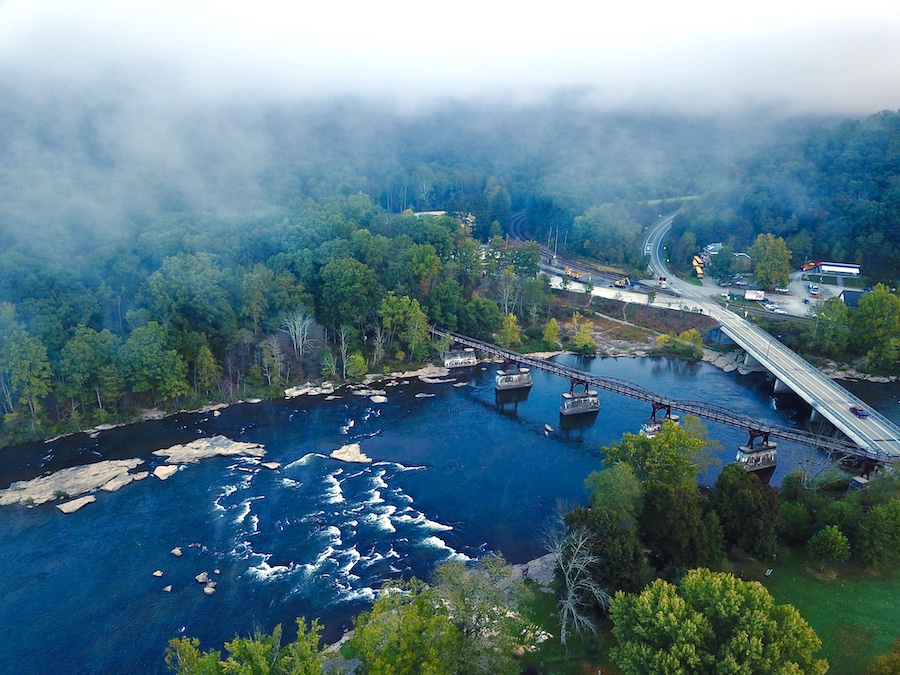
[[831, 192], [160, 253]]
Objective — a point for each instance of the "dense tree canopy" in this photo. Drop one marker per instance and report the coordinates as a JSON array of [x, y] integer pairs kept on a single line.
[[710, 623], [673, 456], [830, 193]]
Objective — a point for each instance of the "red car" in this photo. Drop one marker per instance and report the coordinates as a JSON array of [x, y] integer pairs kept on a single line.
[[859, 412]]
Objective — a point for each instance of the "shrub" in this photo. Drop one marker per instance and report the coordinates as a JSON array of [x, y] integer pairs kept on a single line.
[[829, 545]]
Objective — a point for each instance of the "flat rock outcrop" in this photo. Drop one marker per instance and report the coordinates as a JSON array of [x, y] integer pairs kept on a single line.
[[202, 448], [75, 504], [71, 482]]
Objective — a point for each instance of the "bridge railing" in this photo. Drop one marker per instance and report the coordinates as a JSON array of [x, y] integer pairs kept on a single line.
[[710, 411]]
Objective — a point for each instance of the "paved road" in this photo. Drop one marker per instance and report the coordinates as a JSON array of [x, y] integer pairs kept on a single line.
[[876, 433]]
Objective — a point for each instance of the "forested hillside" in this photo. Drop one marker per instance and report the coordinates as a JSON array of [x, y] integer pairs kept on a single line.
[[832, 192], [157, 257]]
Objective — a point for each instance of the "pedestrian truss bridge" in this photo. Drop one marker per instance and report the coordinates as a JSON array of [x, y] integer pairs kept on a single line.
[[837, 446]]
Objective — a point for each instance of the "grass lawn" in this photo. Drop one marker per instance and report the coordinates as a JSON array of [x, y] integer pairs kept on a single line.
[[581, 656], [856, 614]]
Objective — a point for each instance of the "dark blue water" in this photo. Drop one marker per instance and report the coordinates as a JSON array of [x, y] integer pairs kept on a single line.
[[455, 475]]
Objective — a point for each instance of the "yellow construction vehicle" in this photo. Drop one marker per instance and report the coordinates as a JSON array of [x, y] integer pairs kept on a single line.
[[572, 273], [624, 282]]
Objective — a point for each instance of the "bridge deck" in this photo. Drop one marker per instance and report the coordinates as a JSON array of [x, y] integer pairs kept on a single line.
[[701, 409], [875, 433]]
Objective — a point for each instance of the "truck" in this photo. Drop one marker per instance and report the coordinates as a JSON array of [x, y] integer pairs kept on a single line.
[[662, 283]]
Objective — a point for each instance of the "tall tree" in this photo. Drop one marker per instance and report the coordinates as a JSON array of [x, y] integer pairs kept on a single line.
[[484, 604], [350, 293], [407, 632], [188, 294], [672, 526], [673, 456], [148, 365], [24, 358], [832, 328], [771, 260], [297, 324], [510, 334], [87, 367], [748, 510], [876, 327]]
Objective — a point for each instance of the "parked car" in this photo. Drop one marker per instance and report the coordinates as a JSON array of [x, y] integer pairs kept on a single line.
[[859, 412]]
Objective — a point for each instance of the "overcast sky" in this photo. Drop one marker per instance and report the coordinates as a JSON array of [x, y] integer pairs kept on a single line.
[[695, 55]]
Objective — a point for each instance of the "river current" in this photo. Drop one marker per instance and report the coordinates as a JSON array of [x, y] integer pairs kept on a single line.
[[455, 475]]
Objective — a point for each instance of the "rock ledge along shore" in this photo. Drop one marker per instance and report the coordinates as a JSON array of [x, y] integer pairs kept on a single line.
[[202, 448], [72, 482]]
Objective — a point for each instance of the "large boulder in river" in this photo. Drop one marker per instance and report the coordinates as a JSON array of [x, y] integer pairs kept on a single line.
[[202, 578]]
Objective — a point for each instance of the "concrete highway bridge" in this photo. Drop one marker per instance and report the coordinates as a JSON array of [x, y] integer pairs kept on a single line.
[[876, 441], [875, 434]]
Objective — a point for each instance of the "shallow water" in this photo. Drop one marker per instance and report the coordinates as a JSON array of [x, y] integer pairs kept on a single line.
[[454, 476]]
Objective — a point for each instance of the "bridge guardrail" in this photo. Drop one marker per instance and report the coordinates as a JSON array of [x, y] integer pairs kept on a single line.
[[702, 409]]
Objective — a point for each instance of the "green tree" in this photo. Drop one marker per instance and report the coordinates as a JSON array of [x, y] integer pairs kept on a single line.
[[617, 490], [258, 655], [748, 510], [206, 370], [425, 266], [256, 286], [187, 294], [619, 560], [509, 335], [829, 545], [350, 293], [25, 360], [771, 261], [87, 367], [673, 456], [483, 603], [407, 630], [886, 664], [879, 535], [710, 623], [583, 341], [148, 365], [832, 329], [876, 325], [415, 332], [795, 522], [356, 366], [551, 333], [671, 525], [445, 303], [722, 266], [480, 318]]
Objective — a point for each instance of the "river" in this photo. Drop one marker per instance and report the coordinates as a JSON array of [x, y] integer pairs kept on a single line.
[[454, 475]]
